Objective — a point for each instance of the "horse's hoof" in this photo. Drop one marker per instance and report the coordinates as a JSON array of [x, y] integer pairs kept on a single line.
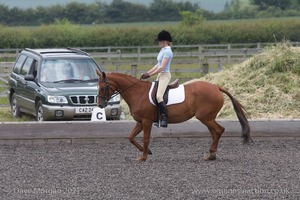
[[141, 158], [149, 152], [210, 157]]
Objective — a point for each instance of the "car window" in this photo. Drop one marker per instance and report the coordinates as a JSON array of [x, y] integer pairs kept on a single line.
[[54, 70], [84, 70], [19, 63], [27, 66]]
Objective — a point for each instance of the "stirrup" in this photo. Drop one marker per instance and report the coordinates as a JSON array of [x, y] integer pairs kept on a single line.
[[159, 124], [164, 123]]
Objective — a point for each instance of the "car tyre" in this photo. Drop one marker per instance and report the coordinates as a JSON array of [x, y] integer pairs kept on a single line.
[[15, 109], [39, 112]]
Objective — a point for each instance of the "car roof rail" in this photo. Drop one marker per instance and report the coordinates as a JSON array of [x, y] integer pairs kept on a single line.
[[78, 51], [32, 51]]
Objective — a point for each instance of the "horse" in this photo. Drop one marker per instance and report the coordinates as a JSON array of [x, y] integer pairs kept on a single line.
[[203, 100]]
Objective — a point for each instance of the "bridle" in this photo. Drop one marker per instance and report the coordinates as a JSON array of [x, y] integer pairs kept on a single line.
[[105, 98]]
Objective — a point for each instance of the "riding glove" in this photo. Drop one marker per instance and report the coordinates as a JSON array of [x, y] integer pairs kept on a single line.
[[145, 76]]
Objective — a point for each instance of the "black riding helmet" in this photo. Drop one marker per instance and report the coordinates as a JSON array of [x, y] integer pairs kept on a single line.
[[164, 36]]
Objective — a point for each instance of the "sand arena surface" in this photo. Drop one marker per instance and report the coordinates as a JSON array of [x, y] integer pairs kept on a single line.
[[268, 169]]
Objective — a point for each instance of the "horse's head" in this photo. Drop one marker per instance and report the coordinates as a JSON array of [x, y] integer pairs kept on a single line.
[[104, 90]]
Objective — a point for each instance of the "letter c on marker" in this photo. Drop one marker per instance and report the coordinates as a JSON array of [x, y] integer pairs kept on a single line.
[[99, 115]]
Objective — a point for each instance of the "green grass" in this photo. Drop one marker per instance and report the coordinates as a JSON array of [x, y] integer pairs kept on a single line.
[[4, 101], [5, 116], [5, 113]]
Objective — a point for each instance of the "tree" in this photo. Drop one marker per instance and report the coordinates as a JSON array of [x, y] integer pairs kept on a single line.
[[4, 14], [190, 18], [16, 16], [121, 11], [227, 7], [264, 4], [236, 5], [164, 10], [75, 12]]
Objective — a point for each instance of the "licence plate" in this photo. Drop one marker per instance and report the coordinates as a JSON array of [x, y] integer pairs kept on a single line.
[[84, 110]]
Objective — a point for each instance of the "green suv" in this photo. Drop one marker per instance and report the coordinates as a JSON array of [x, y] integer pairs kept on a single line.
[[56, 84]]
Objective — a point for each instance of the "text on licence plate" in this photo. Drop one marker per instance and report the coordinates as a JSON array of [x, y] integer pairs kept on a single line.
[[84, 110]]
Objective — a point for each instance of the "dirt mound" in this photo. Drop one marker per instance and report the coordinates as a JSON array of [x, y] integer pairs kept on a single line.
[[268, 84]]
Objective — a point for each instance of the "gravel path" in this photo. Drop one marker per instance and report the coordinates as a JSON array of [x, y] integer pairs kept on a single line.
[[269, 169]]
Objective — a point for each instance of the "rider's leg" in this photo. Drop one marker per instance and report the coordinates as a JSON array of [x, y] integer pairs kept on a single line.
[[163, 81], [164, 114]]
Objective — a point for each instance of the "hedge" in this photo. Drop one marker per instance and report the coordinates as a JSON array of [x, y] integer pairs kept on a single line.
[[209, 32]]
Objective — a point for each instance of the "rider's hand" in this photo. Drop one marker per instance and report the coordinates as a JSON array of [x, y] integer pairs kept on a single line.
[[145, 76]]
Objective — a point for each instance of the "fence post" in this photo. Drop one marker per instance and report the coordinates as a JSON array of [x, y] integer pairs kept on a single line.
[[139, 53], [120, 54], [103, 66], [109, 52], [229, 56], [205, 67], [200, 51], [220, 66], [134, 70]]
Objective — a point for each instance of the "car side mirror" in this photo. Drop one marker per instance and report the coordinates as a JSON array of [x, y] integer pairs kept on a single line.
[[29, 77]]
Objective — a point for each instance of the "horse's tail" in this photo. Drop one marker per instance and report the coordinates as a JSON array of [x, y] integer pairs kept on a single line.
[[241, 114]]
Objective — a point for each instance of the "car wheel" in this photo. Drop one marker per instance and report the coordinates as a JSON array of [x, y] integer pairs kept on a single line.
[[15, 109], [39, 112]]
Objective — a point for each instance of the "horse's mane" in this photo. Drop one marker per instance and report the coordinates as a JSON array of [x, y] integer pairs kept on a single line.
[[122, 74], [127, 76]]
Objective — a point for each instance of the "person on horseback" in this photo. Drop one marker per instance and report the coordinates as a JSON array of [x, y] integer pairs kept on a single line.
[[162, 68]]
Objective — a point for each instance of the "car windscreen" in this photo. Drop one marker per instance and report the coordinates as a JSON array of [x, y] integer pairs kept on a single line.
[[68, 70]]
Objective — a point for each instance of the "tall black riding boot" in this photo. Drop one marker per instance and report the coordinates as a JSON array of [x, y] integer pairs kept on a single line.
[[164, 114]]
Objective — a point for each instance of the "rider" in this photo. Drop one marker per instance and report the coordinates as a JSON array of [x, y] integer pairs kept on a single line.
[[162, 68]]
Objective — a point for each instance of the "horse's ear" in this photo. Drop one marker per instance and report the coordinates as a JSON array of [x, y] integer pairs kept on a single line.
[[101, 74], [98, 73]]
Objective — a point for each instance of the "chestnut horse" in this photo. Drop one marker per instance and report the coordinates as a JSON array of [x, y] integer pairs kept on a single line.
[[203, 100]]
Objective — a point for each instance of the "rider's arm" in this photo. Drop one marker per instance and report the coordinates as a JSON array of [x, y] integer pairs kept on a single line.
[[156, 70]]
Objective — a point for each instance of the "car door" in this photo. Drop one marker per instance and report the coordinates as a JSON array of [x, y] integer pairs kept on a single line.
[[27, 89]]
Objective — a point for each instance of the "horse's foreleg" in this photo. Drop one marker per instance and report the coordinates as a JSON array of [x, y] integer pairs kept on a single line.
[[136, 130], [147, 131], [216, 131]]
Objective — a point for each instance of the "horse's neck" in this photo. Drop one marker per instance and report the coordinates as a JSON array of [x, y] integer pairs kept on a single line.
[[129, 87], [123, 82]]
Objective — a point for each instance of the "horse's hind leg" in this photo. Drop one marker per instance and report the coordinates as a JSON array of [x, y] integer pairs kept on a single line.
[[136, 130], [216, 131]]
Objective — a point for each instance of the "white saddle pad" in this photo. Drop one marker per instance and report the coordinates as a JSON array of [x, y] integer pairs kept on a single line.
[[176, 95]]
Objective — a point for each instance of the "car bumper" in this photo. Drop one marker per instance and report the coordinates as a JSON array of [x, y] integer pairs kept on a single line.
[[68, 112]]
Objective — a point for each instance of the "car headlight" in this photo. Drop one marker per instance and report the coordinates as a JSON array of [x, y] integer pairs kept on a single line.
[[115, 98], [57, 99]]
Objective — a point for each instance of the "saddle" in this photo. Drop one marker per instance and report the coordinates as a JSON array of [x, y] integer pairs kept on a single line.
[[172, 85]]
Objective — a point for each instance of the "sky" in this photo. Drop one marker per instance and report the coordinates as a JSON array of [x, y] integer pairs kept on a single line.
[[211, 5]]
